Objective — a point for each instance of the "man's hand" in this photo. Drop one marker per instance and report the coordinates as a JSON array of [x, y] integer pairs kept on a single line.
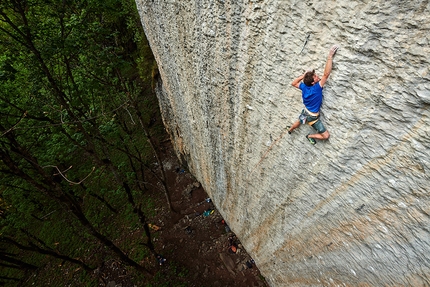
[[333, 51]]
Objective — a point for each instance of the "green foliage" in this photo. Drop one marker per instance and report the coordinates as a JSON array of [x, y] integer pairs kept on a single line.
[[140, 254], [73, 75], [149, 207], [170, 277]]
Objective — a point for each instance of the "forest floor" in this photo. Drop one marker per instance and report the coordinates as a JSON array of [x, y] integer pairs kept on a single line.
[[195, 244]]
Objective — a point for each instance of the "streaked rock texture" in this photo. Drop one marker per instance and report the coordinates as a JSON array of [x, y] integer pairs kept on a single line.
[[351, 211]]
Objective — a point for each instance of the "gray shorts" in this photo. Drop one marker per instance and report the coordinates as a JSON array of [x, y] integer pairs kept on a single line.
[[315, 122]]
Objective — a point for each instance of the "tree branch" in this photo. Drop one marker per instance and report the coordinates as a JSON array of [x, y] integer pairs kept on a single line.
[[13, 127], [65, 177]]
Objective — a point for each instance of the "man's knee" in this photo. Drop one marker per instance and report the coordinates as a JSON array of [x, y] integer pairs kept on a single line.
[[325, 135]]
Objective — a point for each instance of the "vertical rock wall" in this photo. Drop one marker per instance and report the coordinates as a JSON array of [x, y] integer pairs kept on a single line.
[[351, 211]]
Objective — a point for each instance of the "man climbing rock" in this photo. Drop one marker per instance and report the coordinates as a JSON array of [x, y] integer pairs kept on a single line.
[[311, 86]]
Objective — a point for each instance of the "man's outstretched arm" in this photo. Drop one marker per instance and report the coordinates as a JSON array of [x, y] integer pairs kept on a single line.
[[328, 65]]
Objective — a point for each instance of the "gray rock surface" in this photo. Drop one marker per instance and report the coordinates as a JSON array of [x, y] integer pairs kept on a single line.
[[351, 211]]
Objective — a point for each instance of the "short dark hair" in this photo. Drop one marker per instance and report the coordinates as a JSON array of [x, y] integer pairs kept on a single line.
[[308, 79]]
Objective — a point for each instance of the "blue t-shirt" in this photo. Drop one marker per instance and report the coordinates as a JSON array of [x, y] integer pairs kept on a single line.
[[312, 97]]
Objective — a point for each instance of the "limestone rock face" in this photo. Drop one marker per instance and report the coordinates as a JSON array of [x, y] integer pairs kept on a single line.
[[350, 211]]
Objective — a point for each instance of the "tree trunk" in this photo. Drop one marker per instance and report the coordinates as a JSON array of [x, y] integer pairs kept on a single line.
[[102, 200], [159, 161], [111, 245], [142, 220], [9, 278], [49, 252], [20, 264]]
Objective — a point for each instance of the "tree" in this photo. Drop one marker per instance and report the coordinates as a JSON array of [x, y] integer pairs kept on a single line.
[[65, 71]]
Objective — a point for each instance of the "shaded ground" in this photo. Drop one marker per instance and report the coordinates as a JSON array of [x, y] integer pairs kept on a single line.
[[196, 244]]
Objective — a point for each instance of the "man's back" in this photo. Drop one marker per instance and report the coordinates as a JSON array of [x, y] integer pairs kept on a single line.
[[312, 96]]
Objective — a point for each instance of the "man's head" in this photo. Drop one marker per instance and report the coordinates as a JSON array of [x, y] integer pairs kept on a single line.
[[310, 78]]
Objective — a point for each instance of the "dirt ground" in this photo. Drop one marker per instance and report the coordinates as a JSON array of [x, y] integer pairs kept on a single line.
[[195, 241]]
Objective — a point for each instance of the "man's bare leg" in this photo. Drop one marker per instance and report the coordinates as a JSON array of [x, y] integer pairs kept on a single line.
[[294, 126], [325, 135]]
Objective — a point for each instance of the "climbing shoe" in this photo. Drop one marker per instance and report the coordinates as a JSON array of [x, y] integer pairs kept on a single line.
[[311, 140], [288, 127]]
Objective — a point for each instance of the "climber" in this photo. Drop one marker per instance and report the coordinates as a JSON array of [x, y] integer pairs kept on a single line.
[[311, 88]]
